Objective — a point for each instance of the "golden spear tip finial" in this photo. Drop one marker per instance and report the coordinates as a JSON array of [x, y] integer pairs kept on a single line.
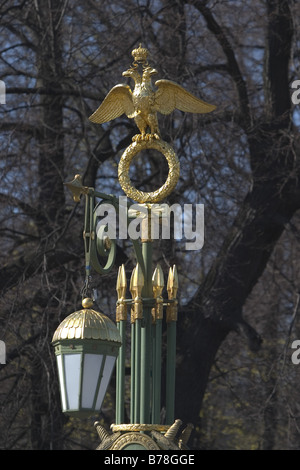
[[175, 276], [118, 285], [121, 279], [136, 286], [158, 277], [138, 278], [172, 288], [172, 279], [121, 311], [121, 282], [158, 285], [131, 281]]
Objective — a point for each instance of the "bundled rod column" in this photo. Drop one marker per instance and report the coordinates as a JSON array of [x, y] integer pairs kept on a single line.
[[157, 315], [136, 286], [120, 374], [171, 319], [146, 346], [121, 317]]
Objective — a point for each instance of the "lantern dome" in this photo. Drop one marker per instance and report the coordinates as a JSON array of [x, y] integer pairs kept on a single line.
[[87, 324]]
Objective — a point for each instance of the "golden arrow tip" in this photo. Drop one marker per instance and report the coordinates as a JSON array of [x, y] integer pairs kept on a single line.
[[121, 279], [175, 277], [138, 278], [121, 282], [158, 277], [131, 280], [172, 284]]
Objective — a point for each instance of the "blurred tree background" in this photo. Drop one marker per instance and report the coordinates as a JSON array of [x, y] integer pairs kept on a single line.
[[238, 295]]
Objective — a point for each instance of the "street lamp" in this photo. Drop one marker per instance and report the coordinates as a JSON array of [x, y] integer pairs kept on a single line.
[[86, 346], [87, 343]]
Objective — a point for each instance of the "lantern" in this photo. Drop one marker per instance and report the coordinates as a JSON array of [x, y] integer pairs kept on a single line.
[[86, 347]]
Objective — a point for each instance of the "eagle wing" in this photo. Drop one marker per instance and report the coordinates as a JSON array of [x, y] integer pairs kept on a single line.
[[117, 102], [170, 95]]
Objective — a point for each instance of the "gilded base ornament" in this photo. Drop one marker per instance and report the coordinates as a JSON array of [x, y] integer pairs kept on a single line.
[[144, 436], [134, 441], [139, 427], [124, 165]]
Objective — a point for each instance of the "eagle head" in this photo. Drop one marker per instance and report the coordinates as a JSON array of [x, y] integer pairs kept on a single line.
[[149, 71], [133, 73]]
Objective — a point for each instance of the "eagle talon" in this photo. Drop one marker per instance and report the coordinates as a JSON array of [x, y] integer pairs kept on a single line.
[[145, 137], [138, 138]]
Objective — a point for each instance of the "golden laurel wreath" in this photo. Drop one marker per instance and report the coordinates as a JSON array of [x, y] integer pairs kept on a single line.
[[124, 165]]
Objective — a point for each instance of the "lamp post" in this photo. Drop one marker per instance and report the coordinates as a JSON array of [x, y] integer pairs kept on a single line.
[[87, 342]]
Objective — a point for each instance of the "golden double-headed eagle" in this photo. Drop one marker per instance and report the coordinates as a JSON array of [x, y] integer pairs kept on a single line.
[[145, 101]]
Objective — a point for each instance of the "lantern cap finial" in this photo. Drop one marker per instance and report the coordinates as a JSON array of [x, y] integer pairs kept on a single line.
[[87, 302]]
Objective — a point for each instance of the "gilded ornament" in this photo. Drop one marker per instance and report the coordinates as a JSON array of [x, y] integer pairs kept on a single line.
[[142, 441], [87, 324], [142, 103], [157, 286], [172, 288], [136, 286], [121, 310], [140, 54], [107, 439], [173, 175], [76, 188], [139, 427], [87, 302]]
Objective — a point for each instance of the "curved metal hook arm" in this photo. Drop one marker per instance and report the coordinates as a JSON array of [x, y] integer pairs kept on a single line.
[[96, 242]]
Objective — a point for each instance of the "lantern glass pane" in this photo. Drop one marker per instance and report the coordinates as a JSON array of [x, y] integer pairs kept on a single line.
[[107, 371], [91, 370], [72, 374], [61, 381]]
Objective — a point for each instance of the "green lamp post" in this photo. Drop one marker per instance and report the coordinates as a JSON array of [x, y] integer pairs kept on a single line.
[[87, 343]]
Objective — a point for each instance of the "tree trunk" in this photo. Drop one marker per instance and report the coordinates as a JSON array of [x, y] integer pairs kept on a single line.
[[51, 142], [51, 203]]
